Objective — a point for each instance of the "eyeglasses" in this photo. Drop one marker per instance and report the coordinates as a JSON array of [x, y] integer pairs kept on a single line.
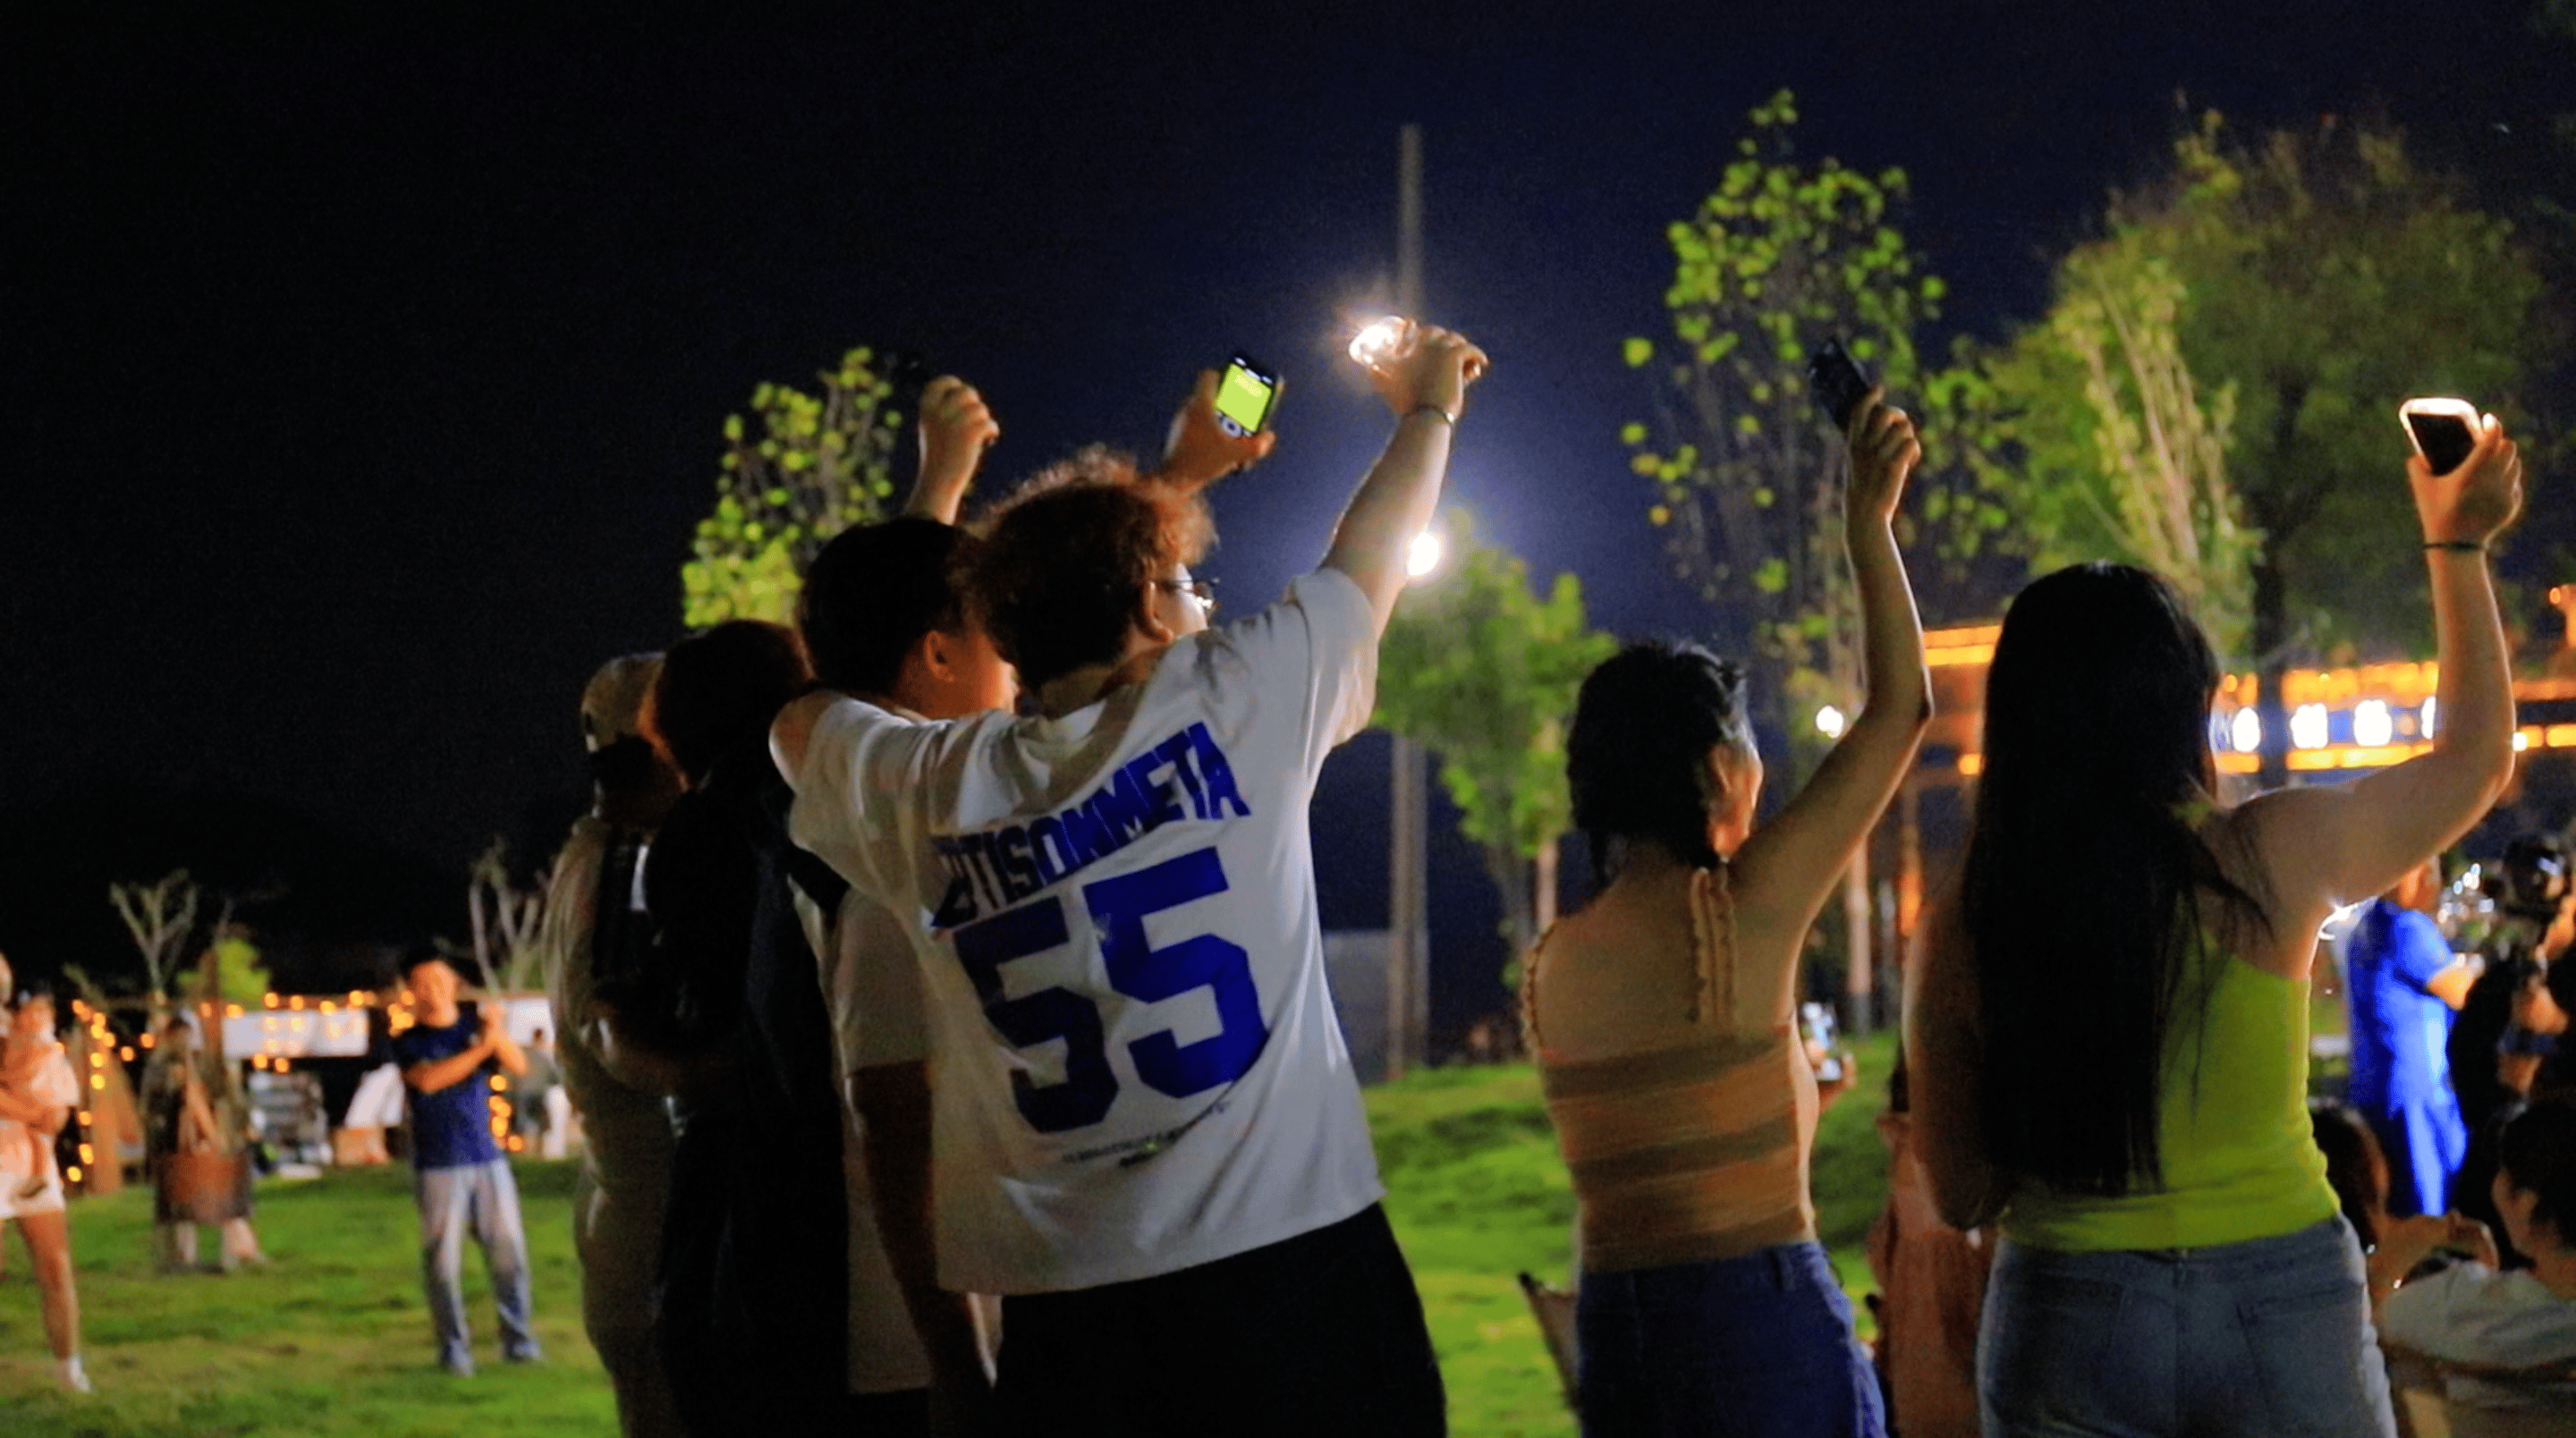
[[1202, 590]]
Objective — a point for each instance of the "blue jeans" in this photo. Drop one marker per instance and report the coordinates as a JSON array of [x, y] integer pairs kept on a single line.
[[2270, 1336], [484, 1197], [1760, 1344]]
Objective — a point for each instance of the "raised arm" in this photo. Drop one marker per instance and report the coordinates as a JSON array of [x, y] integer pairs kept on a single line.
[[2324, 846], [1199, 451], [433, 1075], [1425, 382], [1785, 870], [956, 428]]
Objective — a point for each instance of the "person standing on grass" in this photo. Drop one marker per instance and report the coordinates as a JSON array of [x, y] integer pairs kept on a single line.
[[2173, 1258], [594, 928], [1663, 1017], [39, 1109], [459, 1174], [1147, 1135]]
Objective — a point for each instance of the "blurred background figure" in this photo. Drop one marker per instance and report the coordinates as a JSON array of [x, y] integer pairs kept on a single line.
[[2403, 984], [593, 925], [196, 1147]]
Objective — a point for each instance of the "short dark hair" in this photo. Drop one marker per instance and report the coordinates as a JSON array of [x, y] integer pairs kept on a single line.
[[1056, 578], [2538, 1155], [873, 592], [2345, 1139], [720, 689], [412, 962]]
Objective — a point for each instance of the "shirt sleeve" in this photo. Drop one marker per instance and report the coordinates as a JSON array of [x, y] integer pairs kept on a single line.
[[1310, 663], [878, 1016], [2417, 950], [861, 764]]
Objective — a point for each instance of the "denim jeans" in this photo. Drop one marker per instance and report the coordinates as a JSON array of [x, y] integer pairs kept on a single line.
[[484, 1197], [2268, 1337], [1760, 1344]]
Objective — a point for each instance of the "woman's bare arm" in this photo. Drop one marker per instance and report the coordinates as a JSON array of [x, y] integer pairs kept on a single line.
[[1943, 1070]]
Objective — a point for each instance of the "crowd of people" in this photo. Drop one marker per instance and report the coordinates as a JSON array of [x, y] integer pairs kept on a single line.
[[940, 986]]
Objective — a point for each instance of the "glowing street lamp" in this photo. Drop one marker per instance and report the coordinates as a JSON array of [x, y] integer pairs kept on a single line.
[[1424, 554], [1830, 722]]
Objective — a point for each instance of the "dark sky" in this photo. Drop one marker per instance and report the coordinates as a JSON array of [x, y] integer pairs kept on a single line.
[[361, 390]]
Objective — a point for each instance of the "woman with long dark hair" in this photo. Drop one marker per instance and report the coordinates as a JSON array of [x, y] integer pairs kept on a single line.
[[1661, 1016], [2108, 1022]]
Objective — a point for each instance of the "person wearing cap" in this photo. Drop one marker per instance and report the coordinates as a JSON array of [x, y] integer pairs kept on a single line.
[[593, 912]]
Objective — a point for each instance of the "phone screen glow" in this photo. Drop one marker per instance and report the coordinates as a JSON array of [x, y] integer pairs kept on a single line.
[[1244, 397]]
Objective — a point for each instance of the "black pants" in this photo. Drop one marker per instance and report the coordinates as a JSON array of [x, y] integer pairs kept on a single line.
[[1321, 1334]]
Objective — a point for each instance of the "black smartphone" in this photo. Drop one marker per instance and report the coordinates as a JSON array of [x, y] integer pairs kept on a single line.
[[1839, 382], [2443, 431], [1245, 396]]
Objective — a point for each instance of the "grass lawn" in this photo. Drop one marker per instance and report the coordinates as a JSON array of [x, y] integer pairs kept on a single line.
[[334, 1338]]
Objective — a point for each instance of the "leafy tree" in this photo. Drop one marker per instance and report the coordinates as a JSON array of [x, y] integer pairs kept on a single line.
[[240, 977], [1483, 671], [2323, 279], [802, 469], [2112, 448], [1748, 479]]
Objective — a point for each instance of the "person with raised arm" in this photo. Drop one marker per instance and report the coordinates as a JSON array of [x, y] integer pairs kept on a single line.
[[2108, 1017], [1663, 1016], [1147, 1136]]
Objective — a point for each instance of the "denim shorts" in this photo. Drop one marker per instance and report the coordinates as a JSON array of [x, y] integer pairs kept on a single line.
[[1760, 1344], [2268, 1337]]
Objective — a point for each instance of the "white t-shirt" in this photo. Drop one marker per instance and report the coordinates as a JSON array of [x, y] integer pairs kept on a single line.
[[1136, 1064], [885, 1349], [2469, 1313], [52, 1083]]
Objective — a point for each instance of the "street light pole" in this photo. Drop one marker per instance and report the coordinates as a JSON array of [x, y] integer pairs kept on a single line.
[[1408, 922]]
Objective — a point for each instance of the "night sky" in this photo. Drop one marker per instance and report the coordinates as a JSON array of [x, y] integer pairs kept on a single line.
[[362, 389]]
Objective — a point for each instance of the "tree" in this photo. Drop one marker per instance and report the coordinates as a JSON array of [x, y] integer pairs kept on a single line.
[[505, 919], [239, 977], [1478, 668], [2110, 444], [160, 915], [817, 465], [2323, 278], [1748, 479]]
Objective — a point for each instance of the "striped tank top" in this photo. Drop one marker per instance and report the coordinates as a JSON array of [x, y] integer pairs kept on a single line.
[[1693, 1152]]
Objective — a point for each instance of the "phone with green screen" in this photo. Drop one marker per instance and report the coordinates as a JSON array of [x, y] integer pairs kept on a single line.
[[1245, 396]]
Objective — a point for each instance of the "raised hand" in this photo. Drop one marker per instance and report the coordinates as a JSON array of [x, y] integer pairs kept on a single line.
[[1428, 367], [1884, 451], [956, 428], [2475, 502], [1200, 450]]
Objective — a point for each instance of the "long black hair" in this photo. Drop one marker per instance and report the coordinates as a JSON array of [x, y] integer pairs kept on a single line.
[[1636, 757], [2085, 872]]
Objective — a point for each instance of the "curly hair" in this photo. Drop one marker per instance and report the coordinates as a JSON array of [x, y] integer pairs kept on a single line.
[[1056, 578], [1636, 756]]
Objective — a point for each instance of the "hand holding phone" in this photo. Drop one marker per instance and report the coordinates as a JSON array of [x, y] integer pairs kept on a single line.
[[2442, 430], [2480, 493], [1206, 443], [1245, 395]]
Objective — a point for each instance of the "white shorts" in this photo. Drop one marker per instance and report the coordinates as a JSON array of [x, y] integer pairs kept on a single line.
[[12, 1206]]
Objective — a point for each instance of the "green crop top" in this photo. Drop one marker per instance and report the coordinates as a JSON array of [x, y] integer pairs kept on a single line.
[[2239, 1160]]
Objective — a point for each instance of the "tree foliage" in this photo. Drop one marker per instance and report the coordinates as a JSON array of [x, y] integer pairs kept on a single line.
[[1748, 479], [2113, 449], [240, 976], [2318, 278], [799, 470], [1479, 668]]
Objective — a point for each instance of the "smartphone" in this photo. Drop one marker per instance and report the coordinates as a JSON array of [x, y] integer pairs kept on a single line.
[[1816, 1028], [1245, 397], [2442, 430], [1839, 382]]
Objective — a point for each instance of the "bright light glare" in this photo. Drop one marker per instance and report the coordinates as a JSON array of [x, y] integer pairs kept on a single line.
[[1829, 722], [2371, 724], [2426, 724], [1376, 342], [2308, 726], [1424, 554], [2521, 740], [2245, 731]]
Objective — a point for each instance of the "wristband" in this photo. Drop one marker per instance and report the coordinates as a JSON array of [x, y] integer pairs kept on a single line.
[[2458, 546], [1422, 409]]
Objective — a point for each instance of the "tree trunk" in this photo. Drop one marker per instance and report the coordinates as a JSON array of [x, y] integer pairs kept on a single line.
[[1511, 876], [2271, 643], [1543, 900]]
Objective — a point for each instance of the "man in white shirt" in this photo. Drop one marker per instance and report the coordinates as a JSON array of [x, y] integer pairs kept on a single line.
[[1147, 1133]]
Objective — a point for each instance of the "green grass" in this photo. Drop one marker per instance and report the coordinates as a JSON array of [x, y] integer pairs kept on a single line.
[[334, 1339]]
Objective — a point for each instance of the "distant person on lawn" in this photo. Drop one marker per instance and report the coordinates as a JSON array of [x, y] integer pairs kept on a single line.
[[40, 1107], [459, 1174]]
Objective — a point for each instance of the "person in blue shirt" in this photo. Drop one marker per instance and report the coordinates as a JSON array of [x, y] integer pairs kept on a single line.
[[2404, 983], [458, 1173]]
